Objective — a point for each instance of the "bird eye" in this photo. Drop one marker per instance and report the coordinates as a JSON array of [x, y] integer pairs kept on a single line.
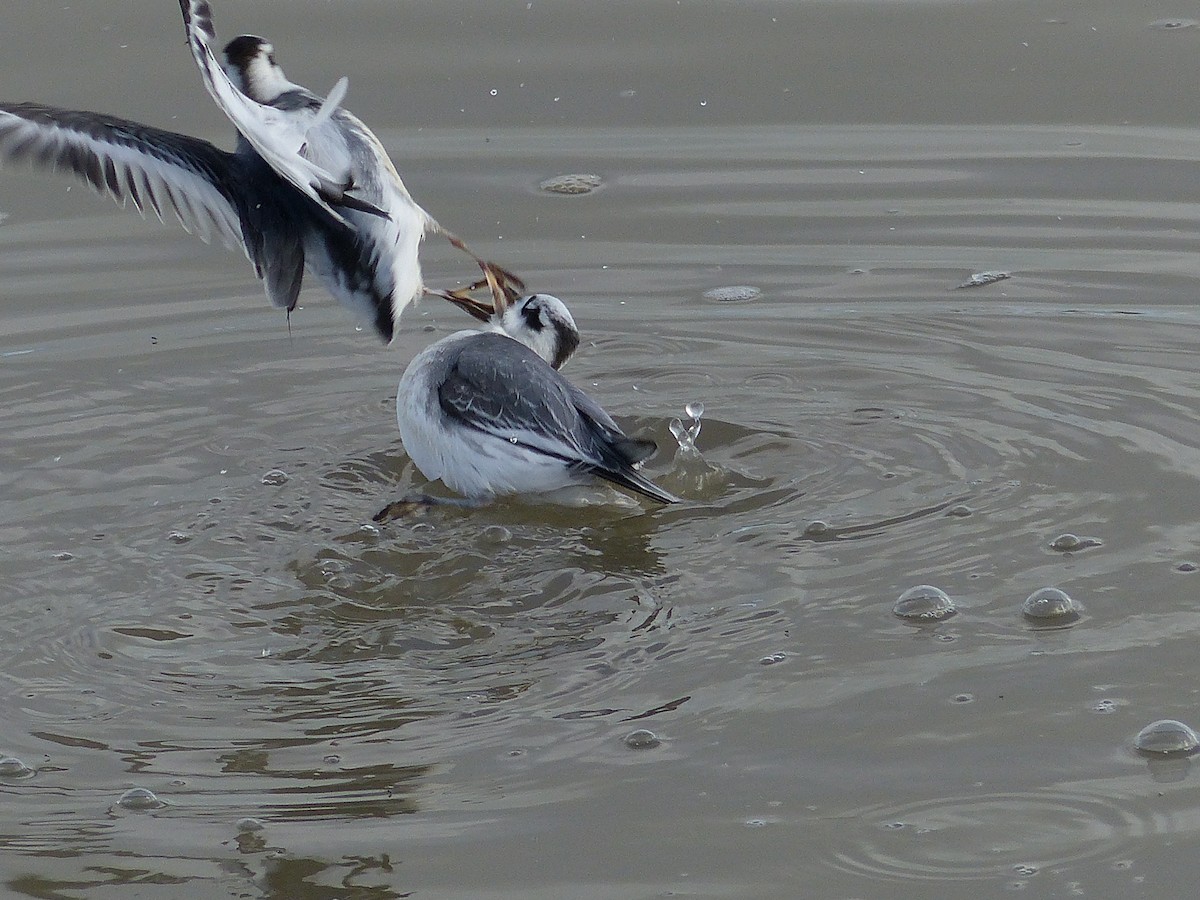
[[532, 313]]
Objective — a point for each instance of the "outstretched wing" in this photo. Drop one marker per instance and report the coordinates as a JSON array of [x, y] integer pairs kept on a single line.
[[278, 135], [157, 170]]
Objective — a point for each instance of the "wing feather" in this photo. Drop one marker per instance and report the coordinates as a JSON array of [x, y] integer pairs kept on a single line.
[[128, 161]]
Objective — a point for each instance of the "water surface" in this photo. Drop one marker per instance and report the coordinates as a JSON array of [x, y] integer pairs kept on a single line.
[[198, 604]]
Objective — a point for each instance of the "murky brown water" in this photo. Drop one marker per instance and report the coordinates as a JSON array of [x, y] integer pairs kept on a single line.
[[438, 708]]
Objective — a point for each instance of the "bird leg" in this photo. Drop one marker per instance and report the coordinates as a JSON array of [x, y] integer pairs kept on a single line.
[[421, 503]]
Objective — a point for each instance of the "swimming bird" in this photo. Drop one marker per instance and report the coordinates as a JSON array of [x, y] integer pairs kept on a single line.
[[308, 185], [488, 413]]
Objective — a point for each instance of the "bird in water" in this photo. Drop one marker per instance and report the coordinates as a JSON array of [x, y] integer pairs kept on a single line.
[[308, 185], [488, 412]]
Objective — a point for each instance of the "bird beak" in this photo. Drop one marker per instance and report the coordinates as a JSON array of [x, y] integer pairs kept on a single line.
[[463, 300]]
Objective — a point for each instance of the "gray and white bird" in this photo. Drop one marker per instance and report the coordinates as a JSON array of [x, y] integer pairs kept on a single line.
[[308, 186], [488, 413]]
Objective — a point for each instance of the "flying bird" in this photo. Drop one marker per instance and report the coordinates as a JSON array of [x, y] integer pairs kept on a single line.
[[307, 186]]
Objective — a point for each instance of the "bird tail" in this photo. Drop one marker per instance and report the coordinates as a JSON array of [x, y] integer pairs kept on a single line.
[[637, 482]]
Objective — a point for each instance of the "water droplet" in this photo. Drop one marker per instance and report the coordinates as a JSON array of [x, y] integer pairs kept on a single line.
[[771, 658], [642, 739], [924, 602], [578, 183], [140, 799], [493, 92], [11, 767], [275, 476], [248, 824], [1050, 604], [695, 409], [1167, 736], [734, 293], [682, 434]]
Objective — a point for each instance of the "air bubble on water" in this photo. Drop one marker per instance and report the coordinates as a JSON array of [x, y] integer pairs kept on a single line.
[[1173, 24], [178, 537], [493, 92], [331, 759], [924, 602], [247, 824], [1071, 543], [64, 556], [642, 739], [734, 293], [140, 799], [575, 183], [979, 279], [11, 767], [1050, 605], [1187, 567], [275, 477], [1167, 737], [495, 535], [771, 658]]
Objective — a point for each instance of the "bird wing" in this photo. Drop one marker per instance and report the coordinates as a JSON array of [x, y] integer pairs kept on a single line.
[[155, 169], [278, 135], [499, 386]]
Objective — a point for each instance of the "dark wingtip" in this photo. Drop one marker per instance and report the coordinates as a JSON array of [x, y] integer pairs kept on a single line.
[[384, 324]]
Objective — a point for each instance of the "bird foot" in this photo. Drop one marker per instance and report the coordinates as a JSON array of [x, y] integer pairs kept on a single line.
[[419, 504]]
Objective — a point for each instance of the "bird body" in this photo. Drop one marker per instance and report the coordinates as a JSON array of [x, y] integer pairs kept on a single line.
[[488, 413], [308, 185]]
